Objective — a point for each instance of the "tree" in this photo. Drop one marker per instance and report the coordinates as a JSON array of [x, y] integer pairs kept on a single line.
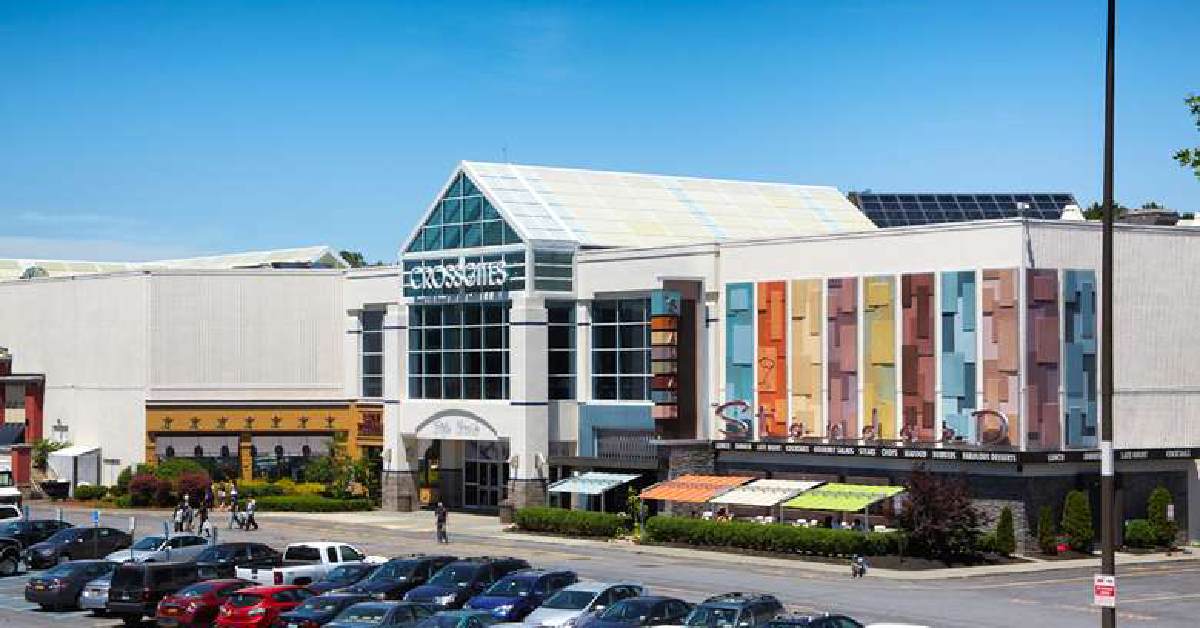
[[1190, 157], [1156, 513], [353, 258], [41, 452], [939, 517], [1077, 521], [1006, 538], [1095, 211], [1047, 535], [1152, 205]]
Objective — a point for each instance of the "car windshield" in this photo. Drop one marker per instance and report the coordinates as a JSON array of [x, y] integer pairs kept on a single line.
[[394, 571], [363, 614], [10, 529], [441, 621], [217, 552], [63, 536], [509, 587], [345, 573], [570, 600], [62, 570], [242, 600], [454, 574], [627, 610], [320, 604], [149, 543], [710, 616], [196, 590]]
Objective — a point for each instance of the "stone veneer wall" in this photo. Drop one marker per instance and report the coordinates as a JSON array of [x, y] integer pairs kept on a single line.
[[686, 460]]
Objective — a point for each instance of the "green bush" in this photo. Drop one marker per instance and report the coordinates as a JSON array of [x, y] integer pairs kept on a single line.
[[124, 501], [1006, 539], [1156, 512], [988, 543], [123, 478], [258, 489], [1140, 533], [1077, 521], [310, 503], [1047, 535], [41, 452], [772, 537], [86, 492], [172, 468], [572, 522]]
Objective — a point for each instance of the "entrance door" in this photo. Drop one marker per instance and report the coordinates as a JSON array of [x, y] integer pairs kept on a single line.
[[485, 474]]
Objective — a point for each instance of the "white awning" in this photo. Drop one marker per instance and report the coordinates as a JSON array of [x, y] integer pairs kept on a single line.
[[764, 492], [591, 483]]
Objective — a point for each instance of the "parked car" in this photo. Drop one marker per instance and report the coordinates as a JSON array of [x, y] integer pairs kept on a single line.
[[31, 531], [458, 619], [564, 609], [223, 559], [60, 586], [197, 604], [399, 575], [319, 610], [75, 544], [735, 609], [383, 615], [514, 596], [10, 511], [460, 580], [260, 606], [305, 563], [643, 610], [342, 576], [137, 588], [814, 621], [94, 596], [158, 549]]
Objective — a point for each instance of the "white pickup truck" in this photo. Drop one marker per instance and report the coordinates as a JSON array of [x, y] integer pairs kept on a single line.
[[306, 563]]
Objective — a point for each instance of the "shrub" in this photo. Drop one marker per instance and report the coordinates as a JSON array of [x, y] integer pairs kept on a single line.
[[87, 492], [1077, 521], [988, 543], [1140, 533], [1156, 513], [147, 490], [193, 484], [939, 518], [123, 501], [311, 503], [572, 522], [772, 537], [122, 487], [172, 468], [41, 452], [257, 489], [1006, 539], [1047, 535]]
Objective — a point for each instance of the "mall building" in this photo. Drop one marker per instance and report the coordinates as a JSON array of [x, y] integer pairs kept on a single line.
[[548, 321]]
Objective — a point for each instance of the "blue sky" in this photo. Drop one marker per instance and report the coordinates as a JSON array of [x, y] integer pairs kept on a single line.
[[142, 130]]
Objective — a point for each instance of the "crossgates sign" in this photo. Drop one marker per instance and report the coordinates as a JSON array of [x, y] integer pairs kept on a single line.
[[492, 274]]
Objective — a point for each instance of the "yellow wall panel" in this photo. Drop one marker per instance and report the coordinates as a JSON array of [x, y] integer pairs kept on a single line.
[[879, 384], [806, 344]]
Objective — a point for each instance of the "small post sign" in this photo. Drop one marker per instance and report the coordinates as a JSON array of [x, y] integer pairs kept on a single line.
[[1104, 591]]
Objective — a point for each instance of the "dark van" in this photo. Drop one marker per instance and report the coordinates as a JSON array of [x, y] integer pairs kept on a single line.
[[137, 588]]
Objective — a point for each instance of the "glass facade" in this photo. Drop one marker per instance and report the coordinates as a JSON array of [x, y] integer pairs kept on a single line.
[[560, 363], [463, 219], [458, 351], [553, 271], [370, 352], [621, 349]]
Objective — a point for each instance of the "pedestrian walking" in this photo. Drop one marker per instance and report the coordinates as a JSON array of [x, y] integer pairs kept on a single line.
[[202, 517], [188, 514], [251, 506], [233, 495], [442, 515], [234, 519], [177, 518], [858, 566], [221, 497]]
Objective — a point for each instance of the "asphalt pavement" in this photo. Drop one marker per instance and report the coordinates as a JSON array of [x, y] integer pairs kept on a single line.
[[1159, 594]]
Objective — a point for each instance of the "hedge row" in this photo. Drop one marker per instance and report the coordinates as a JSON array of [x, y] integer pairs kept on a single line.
[[1140, 533], [310, 503], [88, 492], [772, 537], [572, 522]]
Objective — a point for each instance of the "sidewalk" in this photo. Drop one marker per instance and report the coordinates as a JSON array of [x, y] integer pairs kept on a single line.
[[489, 527]]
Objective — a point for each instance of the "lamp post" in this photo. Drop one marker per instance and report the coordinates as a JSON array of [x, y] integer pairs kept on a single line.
[[1108, 614]]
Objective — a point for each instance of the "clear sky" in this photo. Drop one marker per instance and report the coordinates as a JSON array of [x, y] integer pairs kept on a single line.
[[140, 130]]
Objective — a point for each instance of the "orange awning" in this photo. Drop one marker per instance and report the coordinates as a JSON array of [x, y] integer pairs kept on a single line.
[[693, 488]]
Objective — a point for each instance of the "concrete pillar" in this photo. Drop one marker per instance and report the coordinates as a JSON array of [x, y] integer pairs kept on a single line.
[[399, 483], [245, 459], [583, 351], [529, 443]]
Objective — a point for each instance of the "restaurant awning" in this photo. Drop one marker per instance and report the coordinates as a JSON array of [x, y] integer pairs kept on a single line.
[[693, 488], [842, 497], [591, 483], [764, 492]]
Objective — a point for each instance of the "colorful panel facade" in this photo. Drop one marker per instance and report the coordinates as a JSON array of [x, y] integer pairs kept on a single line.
[[999, 423], [841, 316], [959, 352], [1079, 357], [771, 365], [879, 362], [735, 416], [664, 353], [1042, 372], [806, 358], [919, 364]]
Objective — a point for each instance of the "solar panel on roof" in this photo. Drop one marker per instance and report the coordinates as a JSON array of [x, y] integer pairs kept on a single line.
[[897, 210]]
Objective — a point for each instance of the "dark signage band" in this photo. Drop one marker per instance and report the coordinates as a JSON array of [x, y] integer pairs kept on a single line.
[[952, 455]]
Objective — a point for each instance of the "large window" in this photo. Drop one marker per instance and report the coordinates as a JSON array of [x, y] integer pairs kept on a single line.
[[463, 219], [458, 351], [553, 270], [560, 363], [621, 349], [371, 353]]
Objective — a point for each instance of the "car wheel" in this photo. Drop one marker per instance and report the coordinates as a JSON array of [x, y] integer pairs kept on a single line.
[[8, 566], [132, 620], [62, 558]]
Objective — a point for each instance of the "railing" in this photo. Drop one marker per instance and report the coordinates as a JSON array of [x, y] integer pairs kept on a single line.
[[625, 445]]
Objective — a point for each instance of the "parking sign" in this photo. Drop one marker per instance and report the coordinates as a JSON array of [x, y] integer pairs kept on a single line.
[[95, 517], [1104, 591]]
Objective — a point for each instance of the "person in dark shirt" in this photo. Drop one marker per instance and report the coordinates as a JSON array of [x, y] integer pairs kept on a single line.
[[441, 514]]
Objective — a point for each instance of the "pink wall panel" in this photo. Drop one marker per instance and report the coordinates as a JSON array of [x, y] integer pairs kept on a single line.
[[919, 362], [1042, 360], [842, 322]]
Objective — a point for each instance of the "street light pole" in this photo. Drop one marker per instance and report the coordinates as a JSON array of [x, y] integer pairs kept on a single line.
[[1108, 615]]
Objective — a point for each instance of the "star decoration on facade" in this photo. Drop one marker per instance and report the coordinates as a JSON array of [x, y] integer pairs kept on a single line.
[[195, 421], [249, 422], [275, 421], [222, 422], [167, 422]]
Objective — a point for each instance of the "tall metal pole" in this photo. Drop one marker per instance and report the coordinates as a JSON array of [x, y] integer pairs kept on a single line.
[[1108, 615]]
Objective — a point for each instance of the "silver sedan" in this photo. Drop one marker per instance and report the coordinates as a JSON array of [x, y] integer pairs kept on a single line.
[[95, 594], [158, 549]]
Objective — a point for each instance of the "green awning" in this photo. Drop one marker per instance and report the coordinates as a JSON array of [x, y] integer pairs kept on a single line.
[[842, 497]]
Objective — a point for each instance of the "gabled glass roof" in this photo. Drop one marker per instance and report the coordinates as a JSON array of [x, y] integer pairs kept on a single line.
[[463, 218]]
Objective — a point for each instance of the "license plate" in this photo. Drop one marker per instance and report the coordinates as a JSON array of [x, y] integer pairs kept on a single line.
[[39, 587], [293, 626], [171, 611]]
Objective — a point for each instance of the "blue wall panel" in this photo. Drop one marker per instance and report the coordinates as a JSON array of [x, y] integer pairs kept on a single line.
[[1079, 357], [958, 352], [739, 360]]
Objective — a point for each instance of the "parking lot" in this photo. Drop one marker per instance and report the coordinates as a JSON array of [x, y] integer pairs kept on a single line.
[[1150, 595]]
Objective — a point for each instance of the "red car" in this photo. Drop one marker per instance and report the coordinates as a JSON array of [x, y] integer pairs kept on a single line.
[[258, 607], [196, 605]]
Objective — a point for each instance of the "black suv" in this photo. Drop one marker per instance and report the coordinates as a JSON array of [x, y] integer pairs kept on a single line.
[[735, 609], [814, 621], [30, 531], [221, 560], [74, 544], [399, 576], [463, 579], [137, 588]]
